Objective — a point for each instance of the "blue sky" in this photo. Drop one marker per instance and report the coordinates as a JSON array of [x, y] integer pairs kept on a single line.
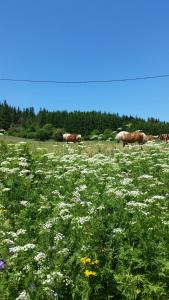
[[86, 40]]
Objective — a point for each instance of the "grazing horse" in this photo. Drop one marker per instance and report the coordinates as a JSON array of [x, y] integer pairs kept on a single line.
[[164, 137], [131, 137], [72, 137]]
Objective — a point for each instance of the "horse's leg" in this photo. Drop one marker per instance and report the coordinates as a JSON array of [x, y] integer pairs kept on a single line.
[[141, 143]]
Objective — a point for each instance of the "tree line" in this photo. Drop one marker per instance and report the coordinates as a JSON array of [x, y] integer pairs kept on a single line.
[[51, 124]]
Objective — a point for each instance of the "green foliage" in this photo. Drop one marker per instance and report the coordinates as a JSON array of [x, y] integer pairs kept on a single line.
[[42, 134], [58, 134], [48, 128], [95, 132]]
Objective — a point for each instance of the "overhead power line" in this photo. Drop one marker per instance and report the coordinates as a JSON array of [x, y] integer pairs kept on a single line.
[[85, 81]]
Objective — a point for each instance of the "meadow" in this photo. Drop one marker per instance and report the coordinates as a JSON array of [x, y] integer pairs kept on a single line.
[[86, 222]]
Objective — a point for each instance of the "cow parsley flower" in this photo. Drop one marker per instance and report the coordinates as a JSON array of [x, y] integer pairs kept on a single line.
[[21, 248], [24, 203], [136, 204], [6, 190], [165, 222], [134, 193], [158, 197], [23, 296], [126, 181], [146, 176], [82, 220], [40, 256], [59, 237], [118, 230]]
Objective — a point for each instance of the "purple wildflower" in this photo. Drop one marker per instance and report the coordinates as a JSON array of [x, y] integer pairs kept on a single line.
[[77, 200], [2, 264]]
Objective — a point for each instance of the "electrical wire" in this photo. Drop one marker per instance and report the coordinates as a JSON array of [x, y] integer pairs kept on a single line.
[[85, 81]]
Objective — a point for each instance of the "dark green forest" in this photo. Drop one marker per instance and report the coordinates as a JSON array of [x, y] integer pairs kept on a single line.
[[46, 124]]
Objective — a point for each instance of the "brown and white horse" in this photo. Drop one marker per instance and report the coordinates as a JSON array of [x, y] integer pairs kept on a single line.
[[164, 137], [72, 137], [131, 137]]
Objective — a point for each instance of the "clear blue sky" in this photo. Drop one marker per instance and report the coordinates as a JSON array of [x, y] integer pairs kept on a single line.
[[73, 40]]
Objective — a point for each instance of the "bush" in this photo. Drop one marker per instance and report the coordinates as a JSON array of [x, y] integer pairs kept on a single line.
[[58, 134], [48, 128], [95, 132], [94, 137], [42, 134], [31, 135]]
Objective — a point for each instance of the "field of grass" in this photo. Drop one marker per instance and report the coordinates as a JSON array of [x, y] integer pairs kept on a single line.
[[83, 222], [90, 148]]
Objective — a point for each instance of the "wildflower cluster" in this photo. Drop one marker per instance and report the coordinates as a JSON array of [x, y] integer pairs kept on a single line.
[[84, 222], [86, 261]]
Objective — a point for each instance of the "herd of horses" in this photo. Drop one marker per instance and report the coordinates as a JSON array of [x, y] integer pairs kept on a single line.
[[139, 137], [124, 136]]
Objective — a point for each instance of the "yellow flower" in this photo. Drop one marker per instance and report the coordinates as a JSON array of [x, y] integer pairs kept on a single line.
[[85, 260], [88, 260], [89, 273]]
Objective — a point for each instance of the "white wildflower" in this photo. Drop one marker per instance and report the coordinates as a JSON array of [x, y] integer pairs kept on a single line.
[[24, 203], [23, 296], [28, 246], [40, 256], [3, 163], [118, 193], [20, 231], [118, 230], [24, 172], [145, 176], [137, 204], [23, 164], [126, 181], [82, 220], [8, 242], [21, 248], [82, 187], [64, 251], [158, 197], [134, 193], [48, 225], [6, 190], [165, 222], [59, 237]]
